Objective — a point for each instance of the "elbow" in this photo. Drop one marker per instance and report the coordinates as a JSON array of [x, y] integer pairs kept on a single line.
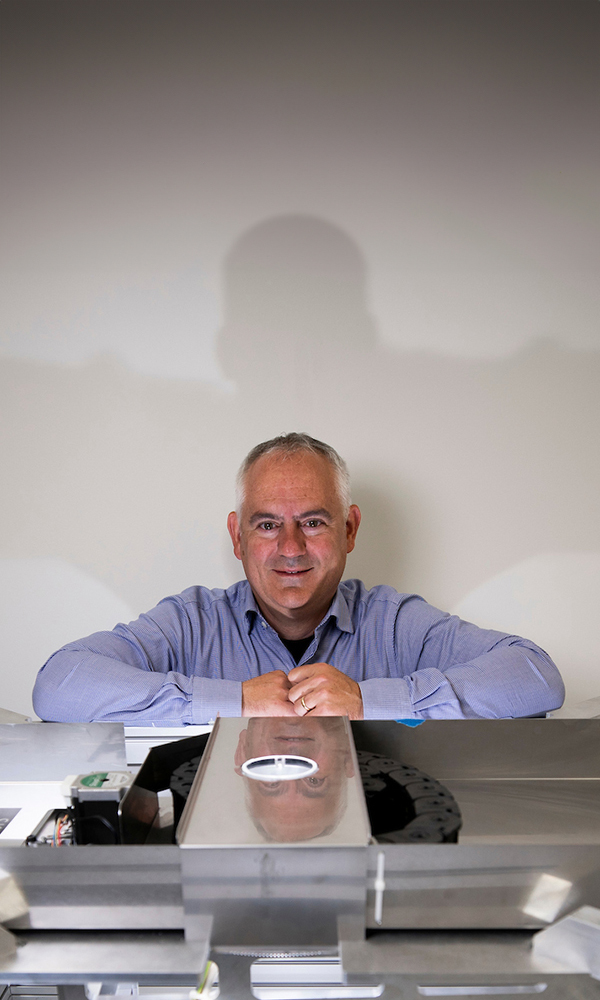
[[48, 696], [45, 703], [549, 674], [557, 692], [41, 704]]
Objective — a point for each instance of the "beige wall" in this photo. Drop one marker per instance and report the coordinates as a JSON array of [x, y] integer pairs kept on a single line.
[[374, 221]]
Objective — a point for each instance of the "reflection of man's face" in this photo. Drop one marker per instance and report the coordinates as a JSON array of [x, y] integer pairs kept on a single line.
[[306, 807], [293, 536]]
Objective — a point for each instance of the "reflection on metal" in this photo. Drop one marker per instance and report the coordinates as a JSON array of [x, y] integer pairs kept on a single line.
[[306, 787], [279, 768], [547, 897], [12, 901], [298, 867], [573, 941]]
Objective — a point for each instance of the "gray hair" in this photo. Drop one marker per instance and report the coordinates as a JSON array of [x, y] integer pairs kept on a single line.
[[292, 444]]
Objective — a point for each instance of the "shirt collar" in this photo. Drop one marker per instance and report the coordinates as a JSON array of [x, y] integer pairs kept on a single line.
[[338, 609], [341, 612], [250, 608]]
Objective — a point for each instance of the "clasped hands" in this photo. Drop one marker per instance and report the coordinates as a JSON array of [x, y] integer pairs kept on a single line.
[[313, 688]]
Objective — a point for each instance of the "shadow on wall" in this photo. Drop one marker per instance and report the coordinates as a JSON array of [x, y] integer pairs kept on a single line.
[[462, 467], [295, 308]]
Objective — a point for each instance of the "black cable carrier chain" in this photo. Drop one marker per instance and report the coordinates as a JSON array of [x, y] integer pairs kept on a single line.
[[405, 805]]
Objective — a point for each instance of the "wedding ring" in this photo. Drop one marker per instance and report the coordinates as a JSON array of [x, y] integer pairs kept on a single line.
[[304, 705]]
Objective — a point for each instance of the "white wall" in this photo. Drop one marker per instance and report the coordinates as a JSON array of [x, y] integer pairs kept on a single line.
[[224, 220]]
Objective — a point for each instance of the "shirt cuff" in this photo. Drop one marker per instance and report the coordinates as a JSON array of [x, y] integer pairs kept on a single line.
[[212, 697], [387, 698]]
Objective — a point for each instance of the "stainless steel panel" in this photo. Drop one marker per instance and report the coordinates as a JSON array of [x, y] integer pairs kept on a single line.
[[55, 957], [275, 897], [533, 810], [500, 886], [470, 955], [98, 887], [227, 808], [489, 748], [529, 846], [467, 968], [294, 861], [49, 751]]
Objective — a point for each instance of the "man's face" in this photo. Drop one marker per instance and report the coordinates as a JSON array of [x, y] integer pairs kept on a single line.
[[306, 807], [292, 538]]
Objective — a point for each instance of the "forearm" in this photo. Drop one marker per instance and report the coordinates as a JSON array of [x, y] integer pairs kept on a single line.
[[509, 681], [78, 685]]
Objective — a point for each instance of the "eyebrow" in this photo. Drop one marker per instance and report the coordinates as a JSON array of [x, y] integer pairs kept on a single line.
[[262, 516], [267, 516]]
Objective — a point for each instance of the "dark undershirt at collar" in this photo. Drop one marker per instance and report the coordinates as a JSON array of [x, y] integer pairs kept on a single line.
[[297, 647]]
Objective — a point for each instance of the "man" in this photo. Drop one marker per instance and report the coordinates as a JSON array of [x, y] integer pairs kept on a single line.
[[361, 653]]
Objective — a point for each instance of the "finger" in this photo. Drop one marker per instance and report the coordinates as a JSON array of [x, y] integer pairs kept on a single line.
[[300, 698], [307, 708], [279, 677], [297, 709], [299, 674], [299, 691]]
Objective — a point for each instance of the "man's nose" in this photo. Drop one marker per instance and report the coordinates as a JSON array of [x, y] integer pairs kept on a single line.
[[291, 541]]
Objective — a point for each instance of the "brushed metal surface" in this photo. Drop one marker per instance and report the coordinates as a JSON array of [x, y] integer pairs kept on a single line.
[[49, 751], [93, 887], [532, 810], [274, 896], [489, 748], [471, 953], [491, 886], [476, 963], [71, 957]]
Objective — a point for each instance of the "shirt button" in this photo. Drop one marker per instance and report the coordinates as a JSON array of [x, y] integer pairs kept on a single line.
[[264, 624]]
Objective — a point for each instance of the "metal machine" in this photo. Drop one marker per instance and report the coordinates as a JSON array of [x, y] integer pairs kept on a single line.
[[276, 874]]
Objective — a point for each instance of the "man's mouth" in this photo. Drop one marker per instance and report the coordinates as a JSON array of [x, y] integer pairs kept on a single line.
[[295, 739], [292, 572]]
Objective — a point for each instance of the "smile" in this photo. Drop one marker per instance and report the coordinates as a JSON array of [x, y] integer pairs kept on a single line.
[[291, 572]]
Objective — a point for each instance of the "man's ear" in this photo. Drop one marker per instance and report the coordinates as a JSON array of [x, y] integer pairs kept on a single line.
[[233, 528], [352, 523], [240, 752]]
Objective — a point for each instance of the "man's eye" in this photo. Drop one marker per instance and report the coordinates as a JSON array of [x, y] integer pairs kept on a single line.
[[267, 526], [314, 523], [315, 782]]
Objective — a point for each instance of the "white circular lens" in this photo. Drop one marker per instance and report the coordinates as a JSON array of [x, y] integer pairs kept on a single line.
[[279, 767]]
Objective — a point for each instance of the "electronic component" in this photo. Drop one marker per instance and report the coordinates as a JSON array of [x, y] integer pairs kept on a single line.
[[96, 799]]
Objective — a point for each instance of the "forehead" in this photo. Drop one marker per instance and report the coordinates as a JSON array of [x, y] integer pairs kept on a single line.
[[291, 480]]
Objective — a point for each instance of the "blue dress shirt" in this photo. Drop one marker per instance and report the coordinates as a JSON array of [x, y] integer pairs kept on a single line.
[[184, 661]]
